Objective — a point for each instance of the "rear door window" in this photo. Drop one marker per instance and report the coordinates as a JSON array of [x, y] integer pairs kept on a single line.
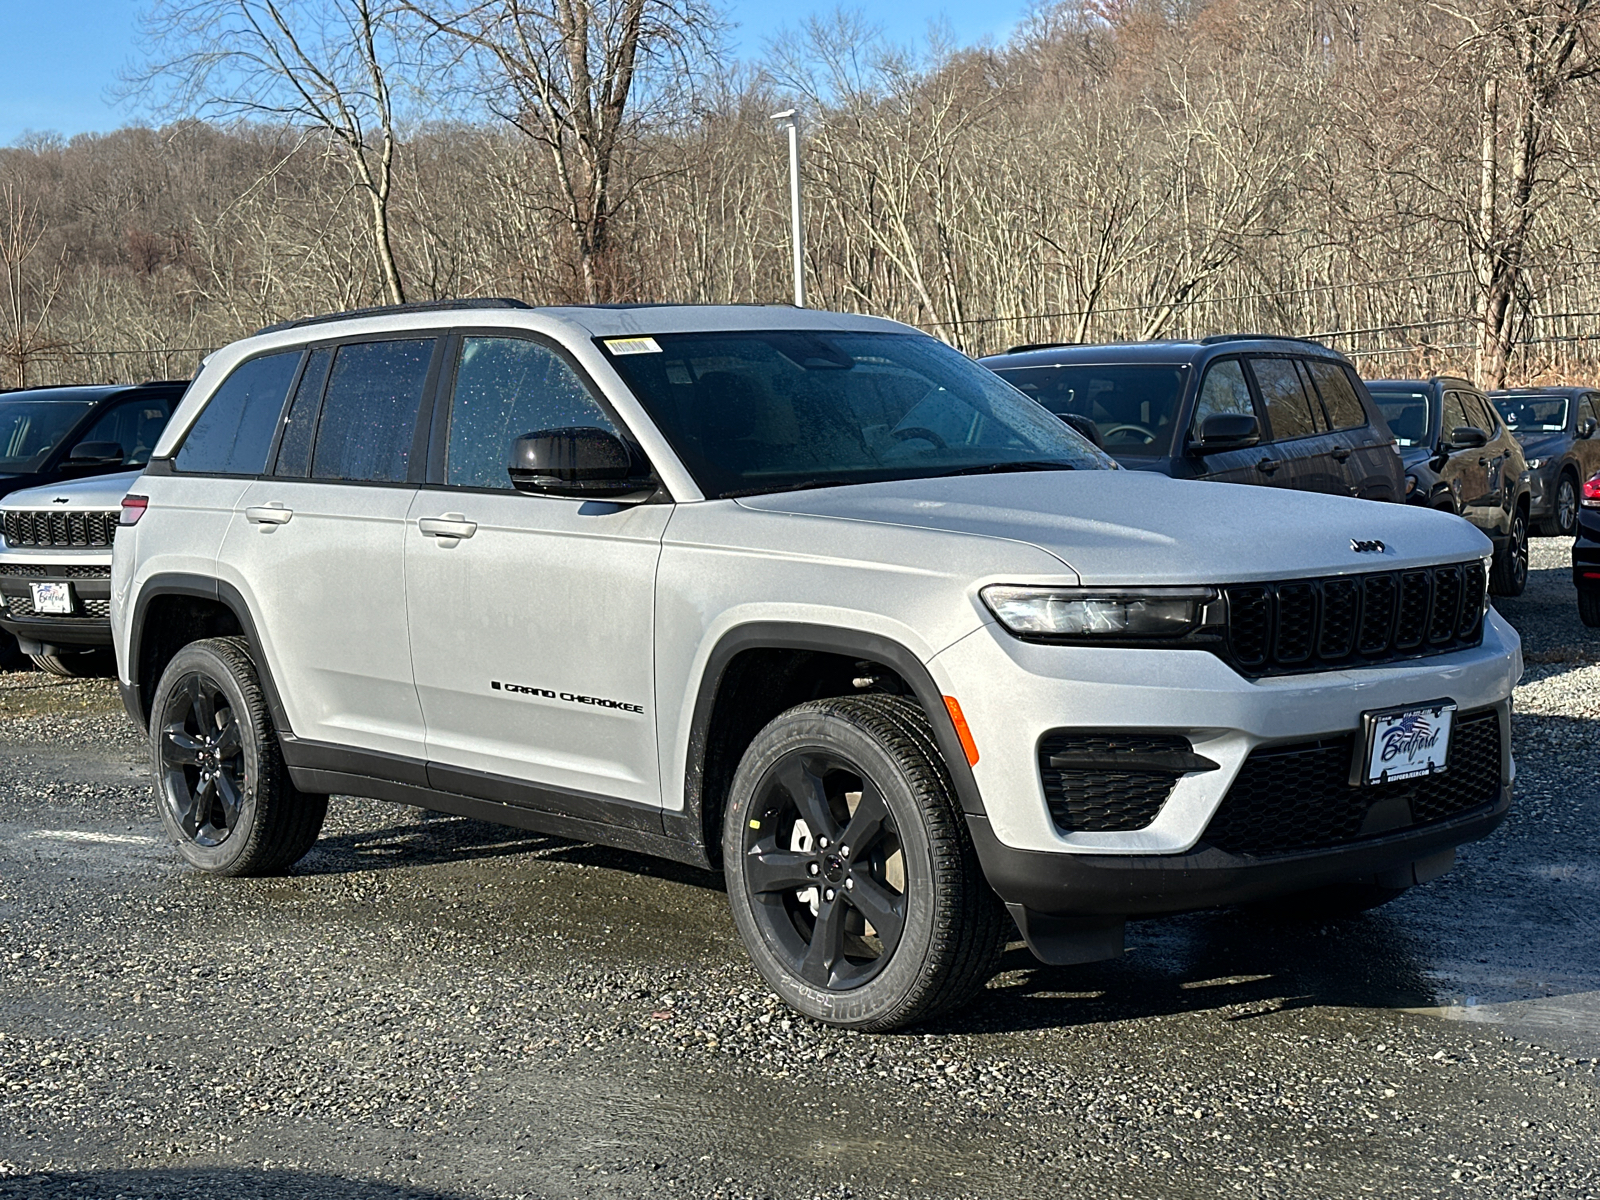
[[506, 388], [233, 433], [300, 424], [369, 411], [1338, 393], [1292, 413]]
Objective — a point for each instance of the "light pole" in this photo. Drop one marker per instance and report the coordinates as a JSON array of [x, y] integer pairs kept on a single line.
[[790, 119]]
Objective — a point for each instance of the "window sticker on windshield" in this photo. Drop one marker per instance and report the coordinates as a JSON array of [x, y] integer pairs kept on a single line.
[[638, 345]]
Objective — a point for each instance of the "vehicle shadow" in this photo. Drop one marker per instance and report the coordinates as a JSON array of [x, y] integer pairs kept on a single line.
[[210, 1184], [431, 839]]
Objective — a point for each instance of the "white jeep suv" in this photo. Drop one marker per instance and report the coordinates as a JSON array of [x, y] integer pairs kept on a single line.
[[807, 596]]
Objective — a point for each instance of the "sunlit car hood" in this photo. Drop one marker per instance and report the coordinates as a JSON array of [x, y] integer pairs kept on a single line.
[[1137, 527], [97, 491]]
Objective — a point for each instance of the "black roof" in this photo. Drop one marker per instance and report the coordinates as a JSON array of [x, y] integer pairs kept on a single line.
[[1158, 352], [1432, 381], [1570, 391]]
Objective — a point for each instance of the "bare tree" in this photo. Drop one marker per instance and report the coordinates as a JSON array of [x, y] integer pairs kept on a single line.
[[328, 66], [570, 75], [29, 295]]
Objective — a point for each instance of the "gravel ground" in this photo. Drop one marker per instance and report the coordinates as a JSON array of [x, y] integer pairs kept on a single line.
[[430, 1008]]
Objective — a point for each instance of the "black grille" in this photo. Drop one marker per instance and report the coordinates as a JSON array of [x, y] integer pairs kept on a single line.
[[44, 528], [1315, 624], [21, 606], [1290, 798], [1111, 782], [51, 571]]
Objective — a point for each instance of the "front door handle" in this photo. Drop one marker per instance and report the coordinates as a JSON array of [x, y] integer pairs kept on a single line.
[[269, 514], [1267, 466], [451, 525]]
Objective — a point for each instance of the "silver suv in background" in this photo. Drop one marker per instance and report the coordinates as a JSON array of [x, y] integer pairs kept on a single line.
[[808, 597]]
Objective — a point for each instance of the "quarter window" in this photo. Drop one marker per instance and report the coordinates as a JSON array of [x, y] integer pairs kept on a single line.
[[233, 433], [1223, 390], [1292, 413], [506, 388], [1339, 396], [369, 414]]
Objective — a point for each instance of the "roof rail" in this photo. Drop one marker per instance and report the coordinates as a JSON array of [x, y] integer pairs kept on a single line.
[[385, 310], [1216, 338], [1026, 346]]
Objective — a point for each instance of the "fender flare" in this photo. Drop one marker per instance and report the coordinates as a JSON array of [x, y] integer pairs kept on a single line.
[[201, 587], [825, 639]]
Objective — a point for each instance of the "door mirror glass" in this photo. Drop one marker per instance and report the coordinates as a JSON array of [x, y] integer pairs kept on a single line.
[[95, 454], [1467, 437], [1586, 427], [1226, 431], [580, 462]]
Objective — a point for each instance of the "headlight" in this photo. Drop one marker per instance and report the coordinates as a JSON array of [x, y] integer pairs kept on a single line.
[[1535, 463], [1411, 484], [1092, 613]]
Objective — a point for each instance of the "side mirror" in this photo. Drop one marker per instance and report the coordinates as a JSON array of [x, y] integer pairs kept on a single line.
[[1586, 427], [1226, 431], [1467, 437], [581, 463], [1082, 424], [95, 454]]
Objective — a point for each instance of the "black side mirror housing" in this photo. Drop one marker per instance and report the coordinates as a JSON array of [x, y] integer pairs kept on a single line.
[[95, 454], [580, 463], [1226, 431], [1586, 427], [1467, 437], [1084, 425]]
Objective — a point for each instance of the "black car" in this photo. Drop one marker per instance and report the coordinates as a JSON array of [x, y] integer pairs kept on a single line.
[[1556, 426], [1461, 458], [1586, 553], [51, 434], [1237, 408]]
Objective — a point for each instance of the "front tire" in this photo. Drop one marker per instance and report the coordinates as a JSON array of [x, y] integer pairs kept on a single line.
[[1589, 608], [223, 792], [1509, 574], [851, 875], [1564, 513]]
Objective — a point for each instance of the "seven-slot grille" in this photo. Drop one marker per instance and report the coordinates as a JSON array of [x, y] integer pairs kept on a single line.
[[1292, 798], [1317, 624], [28, 527]]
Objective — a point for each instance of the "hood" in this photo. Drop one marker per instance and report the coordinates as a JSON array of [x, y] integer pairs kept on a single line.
[[97, 492], [1542, 445], [1137, 528]]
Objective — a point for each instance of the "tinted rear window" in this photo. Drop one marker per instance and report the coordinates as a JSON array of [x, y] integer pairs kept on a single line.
[[1134, 405], [1291, 412], [233, 433], [1339, 396], [369, 414]]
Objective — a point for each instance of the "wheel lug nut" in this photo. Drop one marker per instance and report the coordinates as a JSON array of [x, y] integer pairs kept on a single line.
[[823, 842], [845, 850], [811, 868], [829, 894], [850, 884]]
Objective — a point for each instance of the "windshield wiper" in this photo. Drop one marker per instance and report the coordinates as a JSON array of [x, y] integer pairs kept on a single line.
[[1003, 468]]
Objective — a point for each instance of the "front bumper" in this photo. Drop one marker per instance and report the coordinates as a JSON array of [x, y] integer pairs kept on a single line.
[[1586, 551], [88, 573]]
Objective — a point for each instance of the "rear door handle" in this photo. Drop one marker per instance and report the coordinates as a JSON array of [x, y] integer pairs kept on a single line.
[[1341, 452], [451, 525], [269, 514], [1267, 466]]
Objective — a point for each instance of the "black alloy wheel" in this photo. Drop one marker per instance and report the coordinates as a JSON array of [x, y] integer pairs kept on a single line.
[[851, 873], [823, 862], [222, 789], [1509, 574], [1566, 507], [202, 761]]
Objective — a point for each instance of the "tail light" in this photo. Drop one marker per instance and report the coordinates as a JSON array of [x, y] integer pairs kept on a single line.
[[132, 509], [1591, 493]]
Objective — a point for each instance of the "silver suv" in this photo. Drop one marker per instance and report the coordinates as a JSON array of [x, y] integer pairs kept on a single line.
[[810, 597]]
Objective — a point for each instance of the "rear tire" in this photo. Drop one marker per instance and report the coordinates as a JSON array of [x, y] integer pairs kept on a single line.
[[99, 663], [851, 874], [1509, 574], [1589, 608], [223, 792]]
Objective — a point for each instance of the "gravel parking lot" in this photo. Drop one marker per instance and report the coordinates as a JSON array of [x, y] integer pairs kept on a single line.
[[431, 1008]]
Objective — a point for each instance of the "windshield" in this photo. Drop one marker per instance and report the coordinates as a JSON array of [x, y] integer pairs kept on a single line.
[[1406, 412], [766, 411], [30, 429], [1132, 406], [1533, 414]]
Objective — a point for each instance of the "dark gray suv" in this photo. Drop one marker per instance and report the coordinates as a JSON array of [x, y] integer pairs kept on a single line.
[[1556, 426], [1240, 409]]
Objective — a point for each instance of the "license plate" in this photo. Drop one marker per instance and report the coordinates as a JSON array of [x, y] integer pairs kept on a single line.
[[52, 598], [1403, 743]]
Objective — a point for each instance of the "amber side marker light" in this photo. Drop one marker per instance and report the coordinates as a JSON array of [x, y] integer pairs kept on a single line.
[[962, 732]]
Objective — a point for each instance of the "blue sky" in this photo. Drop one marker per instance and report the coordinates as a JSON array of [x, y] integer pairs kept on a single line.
[[57, 60]]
